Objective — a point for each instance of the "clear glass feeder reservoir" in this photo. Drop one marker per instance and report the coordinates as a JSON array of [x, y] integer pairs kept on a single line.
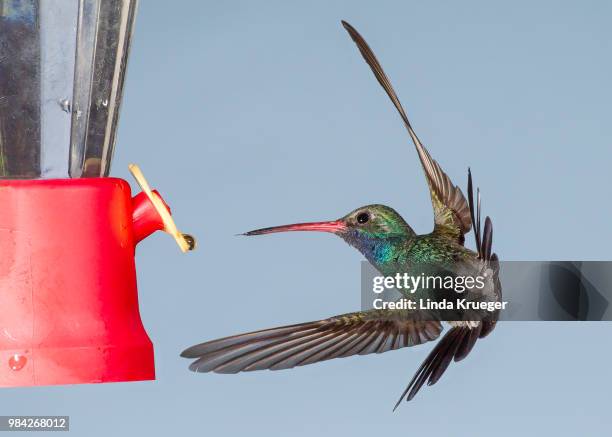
[[62, 67]]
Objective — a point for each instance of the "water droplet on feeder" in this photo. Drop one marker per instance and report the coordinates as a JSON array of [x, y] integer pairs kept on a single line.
[[65, 105], [17, 362]]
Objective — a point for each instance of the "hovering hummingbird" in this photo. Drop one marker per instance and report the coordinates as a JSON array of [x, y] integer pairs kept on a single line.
[[390, 245]]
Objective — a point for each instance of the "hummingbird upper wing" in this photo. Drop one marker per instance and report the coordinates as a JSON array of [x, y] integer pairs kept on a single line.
[[451, 211], [358, 333]]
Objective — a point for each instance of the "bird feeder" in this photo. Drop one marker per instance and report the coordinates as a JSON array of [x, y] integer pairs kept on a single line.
[[68, 297]]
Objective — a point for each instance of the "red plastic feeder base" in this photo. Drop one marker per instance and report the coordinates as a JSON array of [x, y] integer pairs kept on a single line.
[[68, 298]]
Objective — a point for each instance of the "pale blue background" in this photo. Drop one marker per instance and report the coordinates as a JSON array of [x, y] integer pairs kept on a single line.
[[250, 114]]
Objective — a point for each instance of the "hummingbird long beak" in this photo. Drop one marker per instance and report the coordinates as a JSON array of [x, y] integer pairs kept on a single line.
[[331, 226]]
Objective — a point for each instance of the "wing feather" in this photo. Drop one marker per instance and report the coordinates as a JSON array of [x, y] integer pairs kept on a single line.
[[451, 211], [358, 333]]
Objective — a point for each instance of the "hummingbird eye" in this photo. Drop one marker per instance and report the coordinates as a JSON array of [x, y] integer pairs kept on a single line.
[[363, 217]]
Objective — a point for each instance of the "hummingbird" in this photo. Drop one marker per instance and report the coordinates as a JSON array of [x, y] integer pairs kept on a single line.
[[389, 244]]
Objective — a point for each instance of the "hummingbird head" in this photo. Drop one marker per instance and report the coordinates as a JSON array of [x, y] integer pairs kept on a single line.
[[375, 230]]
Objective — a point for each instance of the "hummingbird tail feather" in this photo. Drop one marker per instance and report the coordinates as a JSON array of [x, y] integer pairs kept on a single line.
[[475, 225], [484, 246], [487, 239], [484, 240], [481, 241], [468, 343], [456, 344], [489, 325]]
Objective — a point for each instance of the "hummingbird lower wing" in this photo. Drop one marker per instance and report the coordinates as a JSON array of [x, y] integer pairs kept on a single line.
[[359, 333], [451, 212]]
